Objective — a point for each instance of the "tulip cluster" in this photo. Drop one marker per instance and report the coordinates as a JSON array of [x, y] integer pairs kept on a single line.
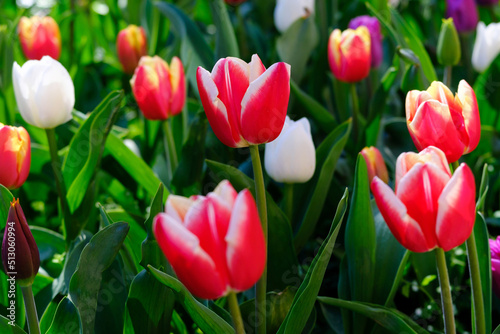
[[15, 155], [214, 243]]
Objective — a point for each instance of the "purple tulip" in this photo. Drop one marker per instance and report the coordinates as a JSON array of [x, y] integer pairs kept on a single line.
[[495, 264], [376, 37], [464, 14], [487, 2]]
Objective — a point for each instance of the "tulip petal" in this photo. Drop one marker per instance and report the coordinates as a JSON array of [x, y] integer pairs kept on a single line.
[[178, 84], [265, 104], [178, 206], [404, 228], [226, 192], [355, 55], [192, 265], [457, 209], [246, 246], [216, 111], [433, 126], [256, 68], [470, 113], [23, 90]]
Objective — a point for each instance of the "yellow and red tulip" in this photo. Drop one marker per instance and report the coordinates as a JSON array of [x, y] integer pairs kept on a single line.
[[39, 36], [159, 89], [375, 164], [349, 54], [214, 243], [437, 118], [430, 208], [245, 103], [131, 45], [15, 156]]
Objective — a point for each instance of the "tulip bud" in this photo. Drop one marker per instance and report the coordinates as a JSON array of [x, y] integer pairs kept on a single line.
[[287, 12], [245, 103], [486, 46], [159, 89], [214, 243], [349, 54], [429, 207], [464, 14], [291, 158], [375, 164], [437, 118], [39, 36], [20, 256], [44, 92], [373, 26], [495, 265], [131, 46], [15, 155], [448, 48]]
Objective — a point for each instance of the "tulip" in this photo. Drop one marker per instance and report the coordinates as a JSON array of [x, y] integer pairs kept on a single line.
[[39, 36], [375, 36], [20, 256], [291, 158], [375, 164], [214, 243], [429, 208], [448, 48], [44, 92], [245, 103], [131, 46], [349, 54], [486, 46], [495, 265], [287, 12], [159, 89], [437, 118], [15, 155], [464, 14]]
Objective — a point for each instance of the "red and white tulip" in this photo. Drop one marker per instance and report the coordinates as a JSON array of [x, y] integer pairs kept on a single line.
[[131, 45], [39, 36], [15, 156], [375, 164], [430, 208], [437, 118], [245, 103], [214, 243]]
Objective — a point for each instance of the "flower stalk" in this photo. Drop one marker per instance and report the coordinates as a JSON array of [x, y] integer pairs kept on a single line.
[[446, 300]]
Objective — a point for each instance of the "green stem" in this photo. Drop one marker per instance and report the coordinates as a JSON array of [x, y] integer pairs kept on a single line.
[[491, 10], [447, 76], [260, 192], [355, 113], [234, 308], [444, 283], [288, 201], [170, 146], [31, 315], [61, 188], [477, 291]]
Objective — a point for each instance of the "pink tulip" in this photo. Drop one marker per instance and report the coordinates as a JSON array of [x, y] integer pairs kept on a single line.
[[495, 265], [430, 208], [215, 244], [131, 45], [375, 164], [39, 36], [15, 156], [159, 89], [437, 118], [245, 103]]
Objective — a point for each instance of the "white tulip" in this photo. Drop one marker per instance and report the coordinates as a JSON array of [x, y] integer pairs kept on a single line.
[[44, 91], [291, 158], [486, 46], [287, 12]]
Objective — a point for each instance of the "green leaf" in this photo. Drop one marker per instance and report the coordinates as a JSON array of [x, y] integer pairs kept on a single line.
[[49, 242], [6, 328], [483, 189], [225, 42], [135, 166], [66, 319], [86, 149], [282, 264], [304, 300], [206, 319], [323, 118], [194, 49], [327, 155], [296, 45], [96, 257], [360, 243], [391, 319], [150, 304], [5, 199], [497, 330]]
